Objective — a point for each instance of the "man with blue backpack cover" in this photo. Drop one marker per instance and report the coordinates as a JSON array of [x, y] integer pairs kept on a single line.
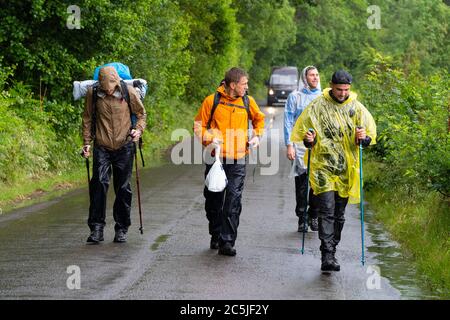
[[107, 123]]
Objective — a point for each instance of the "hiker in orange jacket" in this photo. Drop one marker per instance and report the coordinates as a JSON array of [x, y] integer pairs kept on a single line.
[[222, 120]]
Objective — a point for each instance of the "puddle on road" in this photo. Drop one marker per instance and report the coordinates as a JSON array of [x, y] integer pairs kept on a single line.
[[394, 265]]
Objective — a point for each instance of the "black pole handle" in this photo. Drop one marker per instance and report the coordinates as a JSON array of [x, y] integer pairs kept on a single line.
[[359, 142], [140, 151]]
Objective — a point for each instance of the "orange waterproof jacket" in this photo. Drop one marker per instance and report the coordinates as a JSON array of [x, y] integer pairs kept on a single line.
[[229, 123]]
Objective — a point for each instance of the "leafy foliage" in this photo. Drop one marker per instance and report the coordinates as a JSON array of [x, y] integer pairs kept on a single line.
[[268, 30], [214, 43], [334, 34], [412, 114], [182, 48]]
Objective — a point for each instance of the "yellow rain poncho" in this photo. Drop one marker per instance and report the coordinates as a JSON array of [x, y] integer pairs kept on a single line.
[[335, 155]]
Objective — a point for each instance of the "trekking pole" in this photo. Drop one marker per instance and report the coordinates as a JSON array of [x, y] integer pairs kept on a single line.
[[140, 151], [141, 229], [305, 213], [361, 203], [88, 173]]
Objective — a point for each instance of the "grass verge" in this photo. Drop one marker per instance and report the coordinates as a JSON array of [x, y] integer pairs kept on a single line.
[[419, 221]]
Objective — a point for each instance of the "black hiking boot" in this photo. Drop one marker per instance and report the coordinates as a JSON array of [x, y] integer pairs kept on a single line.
[[333, 256], [328, 262], [336, 265], [214, 244], [227, 250], [314, 224], [121, 236], [96, 236]]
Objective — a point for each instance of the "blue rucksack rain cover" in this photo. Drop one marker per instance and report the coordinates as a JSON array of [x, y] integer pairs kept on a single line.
[[122, 70]]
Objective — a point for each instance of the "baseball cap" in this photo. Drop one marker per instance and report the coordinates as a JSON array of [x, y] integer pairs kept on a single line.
[[341, 77]]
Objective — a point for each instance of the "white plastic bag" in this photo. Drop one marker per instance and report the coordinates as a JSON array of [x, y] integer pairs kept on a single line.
[[216, 180]]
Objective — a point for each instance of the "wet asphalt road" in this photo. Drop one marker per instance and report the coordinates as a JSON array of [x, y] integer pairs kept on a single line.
[[172, 259]]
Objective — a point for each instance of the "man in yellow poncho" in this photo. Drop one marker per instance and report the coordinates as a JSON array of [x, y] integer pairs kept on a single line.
[[340, 123]]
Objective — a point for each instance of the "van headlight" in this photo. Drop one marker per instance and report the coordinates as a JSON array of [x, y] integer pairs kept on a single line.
[[271, 92]]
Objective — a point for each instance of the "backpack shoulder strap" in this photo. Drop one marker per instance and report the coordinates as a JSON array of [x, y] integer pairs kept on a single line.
[[94, 110], [213, 109], [126, 96], [246, 101]]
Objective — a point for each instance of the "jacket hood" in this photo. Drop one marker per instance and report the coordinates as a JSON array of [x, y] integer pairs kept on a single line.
[[109, 79], [303, 83], [224, 93]]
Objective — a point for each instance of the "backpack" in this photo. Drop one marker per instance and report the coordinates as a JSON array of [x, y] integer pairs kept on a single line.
[[217, 96], [122, 70]]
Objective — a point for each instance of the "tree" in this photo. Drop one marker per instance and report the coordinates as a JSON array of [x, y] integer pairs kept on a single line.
[[268, 29]]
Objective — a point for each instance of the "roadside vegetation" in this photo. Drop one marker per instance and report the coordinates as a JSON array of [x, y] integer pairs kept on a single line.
[[182, 48]]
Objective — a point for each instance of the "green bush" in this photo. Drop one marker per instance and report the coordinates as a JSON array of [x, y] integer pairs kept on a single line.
[[23, 140], [411, 111], [34, 140]]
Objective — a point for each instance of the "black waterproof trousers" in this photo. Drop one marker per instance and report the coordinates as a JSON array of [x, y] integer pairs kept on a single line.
[[224, 208], [300, 196], [331, 209], [120, 164]]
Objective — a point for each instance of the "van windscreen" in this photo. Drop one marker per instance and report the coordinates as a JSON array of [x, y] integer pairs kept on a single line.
[[286, 79]]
